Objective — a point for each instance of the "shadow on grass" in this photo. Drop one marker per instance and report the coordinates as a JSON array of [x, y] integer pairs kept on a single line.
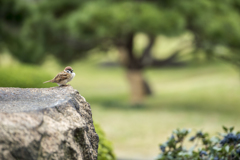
[[116, 102], [204, 108], [122, 105]]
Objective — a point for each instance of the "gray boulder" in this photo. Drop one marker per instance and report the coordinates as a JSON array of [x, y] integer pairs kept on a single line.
[[46, 123]]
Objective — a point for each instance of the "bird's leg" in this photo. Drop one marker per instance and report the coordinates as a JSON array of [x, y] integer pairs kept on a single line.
[[62, 85]]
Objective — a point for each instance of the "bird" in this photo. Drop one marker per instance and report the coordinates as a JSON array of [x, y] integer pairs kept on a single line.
[[63, 77]]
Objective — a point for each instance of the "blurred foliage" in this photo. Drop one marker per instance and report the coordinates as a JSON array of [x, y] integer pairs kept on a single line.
[[68, 28], [24, 76], [105, 150], [224, 146]]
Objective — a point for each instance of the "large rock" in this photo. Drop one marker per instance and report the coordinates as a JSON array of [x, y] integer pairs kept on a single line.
[[46, 123]]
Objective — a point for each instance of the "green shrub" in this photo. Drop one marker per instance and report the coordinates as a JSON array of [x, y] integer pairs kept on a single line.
[[24, 76], [226, 146], [105, 150]]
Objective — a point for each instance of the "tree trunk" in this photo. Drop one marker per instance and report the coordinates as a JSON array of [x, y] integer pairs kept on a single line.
[[137, 86], [134, 68]]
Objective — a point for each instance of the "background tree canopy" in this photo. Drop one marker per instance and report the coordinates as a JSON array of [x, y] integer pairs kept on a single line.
[[36, 27]]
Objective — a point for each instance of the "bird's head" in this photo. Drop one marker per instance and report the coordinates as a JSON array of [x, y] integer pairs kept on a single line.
[[68, 69]]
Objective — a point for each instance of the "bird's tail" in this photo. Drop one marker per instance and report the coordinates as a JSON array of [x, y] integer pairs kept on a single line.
[[48, 81]]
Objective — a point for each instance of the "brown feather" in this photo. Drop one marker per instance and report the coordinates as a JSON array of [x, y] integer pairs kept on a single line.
[[60, 77], [47, 81]]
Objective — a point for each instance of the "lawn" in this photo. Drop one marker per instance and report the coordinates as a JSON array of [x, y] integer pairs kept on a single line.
[[201, 97]]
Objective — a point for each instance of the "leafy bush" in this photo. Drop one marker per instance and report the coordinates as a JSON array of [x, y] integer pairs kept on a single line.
[[24, 76], [225, 146], [105, 150]]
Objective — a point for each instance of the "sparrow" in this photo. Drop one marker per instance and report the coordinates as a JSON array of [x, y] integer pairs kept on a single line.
[[63, 77]]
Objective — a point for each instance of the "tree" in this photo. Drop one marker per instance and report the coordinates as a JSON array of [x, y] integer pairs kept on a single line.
[[74, 27]]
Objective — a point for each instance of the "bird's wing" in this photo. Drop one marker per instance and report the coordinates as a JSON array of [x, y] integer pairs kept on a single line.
[[60, 77]]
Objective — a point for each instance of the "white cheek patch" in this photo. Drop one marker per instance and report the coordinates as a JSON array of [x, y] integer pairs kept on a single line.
[[73, 75]]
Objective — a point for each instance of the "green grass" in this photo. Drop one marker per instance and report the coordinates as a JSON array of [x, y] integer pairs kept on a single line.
[[199, 97], [24, 76], [203, 96]]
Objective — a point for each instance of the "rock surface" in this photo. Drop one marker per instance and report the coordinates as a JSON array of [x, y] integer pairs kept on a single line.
[[46, 123]]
